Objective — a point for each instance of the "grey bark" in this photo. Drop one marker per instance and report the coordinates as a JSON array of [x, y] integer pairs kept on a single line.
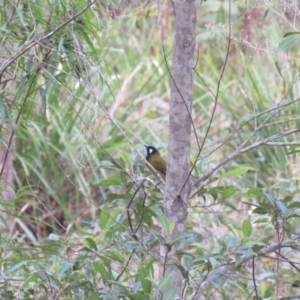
[[177, 184]]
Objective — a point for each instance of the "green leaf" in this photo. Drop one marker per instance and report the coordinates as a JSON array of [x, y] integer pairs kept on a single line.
[[213, 193], [236, 172], [104, 216], [5, 112], [247, 228], [296, 283], [112, 181], [61, 45], [113, 196], [291, 33], [269, 197], [166, 280], [44, 102], [40, 270], [85, 36], [170, 293], [288, 42], [147, 285], [30, 63], [123, 178], [251, 193], [260, 210], [262, 220], [230, 191], [14, 268], [99, 267], [263, 288], [92, 296], [266, 205], [125, 156], [270, 290], [254, 192], [225, 191], [231, 242], [21, 15], [91, 243], [136, 287], [287, 199], [188, 262], [293, 150], [65, 268], [295, 204], [164, 222], [282, 207], [213, 262], [257, 248]]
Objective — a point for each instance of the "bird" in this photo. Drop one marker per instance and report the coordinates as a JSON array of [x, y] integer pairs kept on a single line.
[[154, 158]]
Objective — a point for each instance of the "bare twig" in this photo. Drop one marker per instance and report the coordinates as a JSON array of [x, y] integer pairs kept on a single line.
[[235, 154], [134, 231], [289, 261], [253, 277], [227, 269], [124, 269], [216, 96], [274, 144]]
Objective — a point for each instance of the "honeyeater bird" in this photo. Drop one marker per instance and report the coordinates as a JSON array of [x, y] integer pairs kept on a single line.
[[156, 161]]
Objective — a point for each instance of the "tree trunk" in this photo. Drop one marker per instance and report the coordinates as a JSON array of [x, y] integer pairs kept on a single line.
[[177, 183]]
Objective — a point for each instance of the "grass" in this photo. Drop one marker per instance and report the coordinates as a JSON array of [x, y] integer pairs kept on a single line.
[[90, 104]]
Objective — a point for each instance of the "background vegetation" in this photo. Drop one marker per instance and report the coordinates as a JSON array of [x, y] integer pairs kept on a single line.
[[80, 95]]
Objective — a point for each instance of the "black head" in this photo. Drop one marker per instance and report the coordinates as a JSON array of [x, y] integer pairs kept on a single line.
[[151, 151]]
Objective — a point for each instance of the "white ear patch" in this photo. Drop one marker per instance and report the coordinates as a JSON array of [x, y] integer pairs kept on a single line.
[[151, 150]]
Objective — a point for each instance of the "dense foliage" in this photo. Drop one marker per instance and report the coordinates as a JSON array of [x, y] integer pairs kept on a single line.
[[83, 86]]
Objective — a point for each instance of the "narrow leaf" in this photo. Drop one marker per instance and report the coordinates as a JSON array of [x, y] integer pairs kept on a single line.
[[167, 279], [282, 207], [247, 228], [288, 43], [291, 33], [236, 172], [170, 293]]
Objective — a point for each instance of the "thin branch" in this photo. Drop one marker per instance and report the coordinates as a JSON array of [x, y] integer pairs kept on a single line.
[[142, 216], [226, 269], [283, 144], [216, 97], [134, 231], [253, 277], [128, 261], [128, 207], [218, 85], [279, 108], [7, 80], [295, 296], [289, 261], [281, 122], [235, 154]]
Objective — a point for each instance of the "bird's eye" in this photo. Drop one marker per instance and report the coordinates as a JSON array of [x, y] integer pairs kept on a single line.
[[150, 150]]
